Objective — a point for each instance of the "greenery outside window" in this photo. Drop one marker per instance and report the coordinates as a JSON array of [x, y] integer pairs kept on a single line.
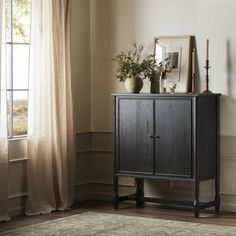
[[17, 64]]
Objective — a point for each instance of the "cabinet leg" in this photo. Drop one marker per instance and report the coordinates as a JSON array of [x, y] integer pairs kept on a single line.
[[196, 209], [196, 201], [139, 191], [217, 195], [217, 204], [115, 194]]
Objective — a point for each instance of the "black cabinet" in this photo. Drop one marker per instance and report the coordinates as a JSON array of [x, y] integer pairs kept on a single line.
[[167, 136], [173, 127], [135, 127]]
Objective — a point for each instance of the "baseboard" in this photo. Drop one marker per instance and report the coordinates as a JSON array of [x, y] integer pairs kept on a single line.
[[102, 196], [106, 196], [82, 197], [16, 211], [229, 207]]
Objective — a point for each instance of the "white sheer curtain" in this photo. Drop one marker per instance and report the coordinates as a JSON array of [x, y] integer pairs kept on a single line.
[[3, 123], [50, 123]]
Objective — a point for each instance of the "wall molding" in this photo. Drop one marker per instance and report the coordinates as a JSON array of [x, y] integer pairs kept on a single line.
[[82, 197], [82, 183], [83, 151], [228, 193], [93, 150], [95, 145], [228, 158], [16, 211], [107, 196], [23, 137], [108, 183], [102, 151], [225, 206], [94, 132], [82, 133], [18, 160], [17, 195]]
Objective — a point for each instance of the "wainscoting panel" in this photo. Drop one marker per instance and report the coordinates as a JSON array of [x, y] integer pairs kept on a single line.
[[102, 159], [102, 167], [17, 204], [18, 177], [83, 142], [83, 167], [105, 191], [102, 141], [228, 146], [94, 166], [83, 192], [17, 149], [102, 155], [228, 175]]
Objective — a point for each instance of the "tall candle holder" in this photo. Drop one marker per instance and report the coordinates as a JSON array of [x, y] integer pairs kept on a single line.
[[207, 67]]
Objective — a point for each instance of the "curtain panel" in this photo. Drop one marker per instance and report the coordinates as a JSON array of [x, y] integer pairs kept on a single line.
[[51, 154]]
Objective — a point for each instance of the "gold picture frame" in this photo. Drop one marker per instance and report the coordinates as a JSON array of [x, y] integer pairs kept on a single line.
[[178, 51]]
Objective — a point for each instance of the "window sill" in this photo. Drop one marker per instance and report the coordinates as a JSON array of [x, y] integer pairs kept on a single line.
[[21, 137]]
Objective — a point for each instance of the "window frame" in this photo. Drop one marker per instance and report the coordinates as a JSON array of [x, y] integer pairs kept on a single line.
[[10, 90]]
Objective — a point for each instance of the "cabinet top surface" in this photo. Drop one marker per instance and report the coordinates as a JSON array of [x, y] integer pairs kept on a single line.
[[166, 94]]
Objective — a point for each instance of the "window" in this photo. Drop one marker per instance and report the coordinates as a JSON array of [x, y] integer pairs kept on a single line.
[[17, 64]]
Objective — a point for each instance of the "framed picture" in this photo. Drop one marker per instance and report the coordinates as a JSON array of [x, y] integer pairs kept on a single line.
[[176, 51]]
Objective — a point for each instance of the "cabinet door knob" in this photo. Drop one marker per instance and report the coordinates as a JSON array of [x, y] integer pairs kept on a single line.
[[157, 137], [150, 136]]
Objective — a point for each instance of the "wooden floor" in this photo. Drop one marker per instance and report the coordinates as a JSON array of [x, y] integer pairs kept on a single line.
[[146, 210]]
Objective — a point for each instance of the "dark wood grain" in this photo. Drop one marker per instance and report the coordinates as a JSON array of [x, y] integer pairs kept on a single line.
[[135, 135], [207, 136], [173, 128], [183, 143]]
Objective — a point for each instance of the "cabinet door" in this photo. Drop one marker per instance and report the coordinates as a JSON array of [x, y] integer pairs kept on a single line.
[[135, 125], [173, 126]]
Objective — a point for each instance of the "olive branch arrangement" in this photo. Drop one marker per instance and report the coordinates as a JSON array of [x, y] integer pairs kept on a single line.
[[130, 64]]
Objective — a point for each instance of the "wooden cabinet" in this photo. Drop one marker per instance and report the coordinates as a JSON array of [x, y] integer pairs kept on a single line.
[[173, 127], [167, 137], [135, 129]]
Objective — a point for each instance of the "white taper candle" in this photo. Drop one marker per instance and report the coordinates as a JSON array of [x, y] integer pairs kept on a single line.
[[207, 48]]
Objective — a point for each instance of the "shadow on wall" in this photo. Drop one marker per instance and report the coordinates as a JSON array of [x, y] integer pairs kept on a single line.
[[229, 71], [197, 74], [228, 101], [121, 33], [112, 30]]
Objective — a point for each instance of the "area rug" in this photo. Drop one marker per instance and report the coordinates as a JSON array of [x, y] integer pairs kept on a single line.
[[92, 223]]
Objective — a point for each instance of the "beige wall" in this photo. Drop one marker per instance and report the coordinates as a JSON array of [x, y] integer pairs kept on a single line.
[[115, 24], [118, 23], [80, 59], [100, 29]]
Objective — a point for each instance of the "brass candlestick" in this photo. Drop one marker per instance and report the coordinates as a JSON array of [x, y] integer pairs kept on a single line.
[[207, 67]]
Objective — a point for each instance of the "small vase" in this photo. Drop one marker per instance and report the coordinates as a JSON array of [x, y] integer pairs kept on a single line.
[[163, 82], [155, 82], [133, 85]]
